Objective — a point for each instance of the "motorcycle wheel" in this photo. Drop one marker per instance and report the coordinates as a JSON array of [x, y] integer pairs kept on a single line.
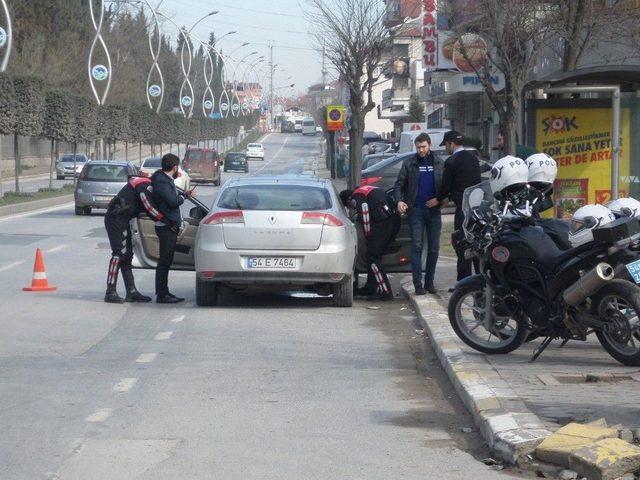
[[466, 313], [618, 305]]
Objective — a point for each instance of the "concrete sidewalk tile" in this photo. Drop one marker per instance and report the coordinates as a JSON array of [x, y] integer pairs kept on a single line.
[[605, 459], [560, 445]]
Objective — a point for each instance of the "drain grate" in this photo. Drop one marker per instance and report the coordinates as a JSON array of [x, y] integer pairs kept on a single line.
[[589, 378]]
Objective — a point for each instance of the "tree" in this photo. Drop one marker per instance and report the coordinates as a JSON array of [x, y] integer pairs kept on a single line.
[[355, 37], [7, 111], [416, 109], [29, 94], [59, 122]]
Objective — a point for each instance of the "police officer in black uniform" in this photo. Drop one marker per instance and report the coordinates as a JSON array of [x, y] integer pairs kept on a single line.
[[380, 224], [134, 198]]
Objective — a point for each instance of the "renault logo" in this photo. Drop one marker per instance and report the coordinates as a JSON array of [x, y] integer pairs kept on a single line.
[[272, 220]]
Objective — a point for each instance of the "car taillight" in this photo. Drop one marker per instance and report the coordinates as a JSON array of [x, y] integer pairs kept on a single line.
[[370, 181], [317, 218], [230, 216]]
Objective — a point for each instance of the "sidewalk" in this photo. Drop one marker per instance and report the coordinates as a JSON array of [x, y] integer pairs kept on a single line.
[[516, 403]]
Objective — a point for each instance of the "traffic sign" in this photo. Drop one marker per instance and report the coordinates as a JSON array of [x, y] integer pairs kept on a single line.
[[335, 117]]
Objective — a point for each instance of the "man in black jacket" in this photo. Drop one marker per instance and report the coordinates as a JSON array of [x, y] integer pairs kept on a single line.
[[461, 171], [416, 191], [168, 201]]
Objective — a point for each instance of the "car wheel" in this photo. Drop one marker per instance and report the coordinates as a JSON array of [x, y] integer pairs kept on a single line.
[[79, 210], [59, 177], [343, 292], [216, 183], [87, 210], [206, 293]]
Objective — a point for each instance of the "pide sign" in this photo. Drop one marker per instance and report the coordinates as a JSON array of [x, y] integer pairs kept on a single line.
[[429, 34]]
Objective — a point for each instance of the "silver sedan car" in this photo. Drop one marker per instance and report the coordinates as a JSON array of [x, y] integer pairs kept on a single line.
[[276, 231]]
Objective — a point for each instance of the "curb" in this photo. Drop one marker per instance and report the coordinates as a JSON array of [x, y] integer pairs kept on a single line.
[[510, 429], [35, 205]]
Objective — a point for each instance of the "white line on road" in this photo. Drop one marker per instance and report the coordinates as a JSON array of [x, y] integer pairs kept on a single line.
[[125, 385], [163, 336], [36, 212], [274, 157], [178, 319], [100, 416], [56, 249], [146, 358], [11, 265]]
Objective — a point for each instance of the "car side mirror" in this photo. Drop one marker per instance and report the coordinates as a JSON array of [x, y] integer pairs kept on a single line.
[[197, 213]]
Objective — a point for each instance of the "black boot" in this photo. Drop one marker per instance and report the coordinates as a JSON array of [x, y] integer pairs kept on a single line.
[[112, 296], [134, 296]]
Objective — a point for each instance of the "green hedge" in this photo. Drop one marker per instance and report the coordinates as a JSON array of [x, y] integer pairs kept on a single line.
[[28, 108]]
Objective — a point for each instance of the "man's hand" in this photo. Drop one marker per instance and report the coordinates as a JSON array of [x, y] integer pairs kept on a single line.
[[433, 203], [191, 192], [402, 207]]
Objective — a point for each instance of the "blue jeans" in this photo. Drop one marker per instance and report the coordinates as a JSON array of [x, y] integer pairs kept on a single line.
[[424, 220]]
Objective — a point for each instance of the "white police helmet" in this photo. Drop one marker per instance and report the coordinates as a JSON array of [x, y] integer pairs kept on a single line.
[[585, 219], [542, 169], [508, 174], [625, 207]]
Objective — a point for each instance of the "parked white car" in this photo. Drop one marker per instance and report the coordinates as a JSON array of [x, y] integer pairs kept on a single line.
[[255, 150], [151, 164]]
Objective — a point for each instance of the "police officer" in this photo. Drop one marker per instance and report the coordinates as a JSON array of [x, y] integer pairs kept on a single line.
[[380, 224], [134, 198]]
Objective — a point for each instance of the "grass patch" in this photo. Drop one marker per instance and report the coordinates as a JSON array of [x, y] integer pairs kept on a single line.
[[11, 198], [445, 239], [253, 137]]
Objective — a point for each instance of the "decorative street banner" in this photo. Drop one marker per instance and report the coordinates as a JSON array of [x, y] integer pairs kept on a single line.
[[335, 118], [579, 139], [429, 34]]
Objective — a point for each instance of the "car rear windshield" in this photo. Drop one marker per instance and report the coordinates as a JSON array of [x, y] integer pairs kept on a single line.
[[69, 159], [275, 197], [106, 173], [309, 123], [152, 163], [193, 155], [235, 156], [254, 145]]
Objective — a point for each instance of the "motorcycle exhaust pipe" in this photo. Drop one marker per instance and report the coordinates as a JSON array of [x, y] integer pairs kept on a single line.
[[589, 283]]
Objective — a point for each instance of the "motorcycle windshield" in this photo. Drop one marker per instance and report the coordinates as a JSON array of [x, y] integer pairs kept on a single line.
[[478, 197]]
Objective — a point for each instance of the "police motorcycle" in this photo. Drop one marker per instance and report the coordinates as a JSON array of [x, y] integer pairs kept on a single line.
[[529, 286]]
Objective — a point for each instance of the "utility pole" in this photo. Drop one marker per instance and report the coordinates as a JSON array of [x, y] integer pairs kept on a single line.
[[271, 88], [325, 72]]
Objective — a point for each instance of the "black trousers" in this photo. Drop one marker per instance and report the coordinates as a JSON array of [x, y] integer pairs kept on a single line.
[[463, 265], [119, 233], [168, 239], [378, 241]]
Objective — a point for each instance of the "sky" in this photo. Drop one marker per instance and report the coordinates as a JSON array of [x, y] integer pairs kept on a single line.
[[258, 22]]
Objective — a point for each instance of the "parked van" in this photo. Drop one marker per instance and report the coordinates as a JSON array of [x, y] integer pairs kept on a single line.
[[202, 165], [407, 139], [308, 126]]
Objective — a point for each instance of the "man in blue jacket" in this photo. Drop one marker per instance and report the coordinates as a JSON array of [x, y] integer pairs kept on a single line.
[[168, 201]]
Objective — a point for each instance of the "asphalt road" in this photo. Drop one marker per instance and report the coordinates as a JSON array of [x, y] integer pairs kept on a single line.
[[262, 387]]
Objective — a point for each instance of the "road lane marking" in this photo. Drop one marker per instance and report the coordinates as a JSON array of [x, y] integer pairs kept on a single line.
[[163, 336], [178, 319], [11, 265], [125, 385], [56, 249], [146, 358], [36, 212], [99, 416], [286, 139]]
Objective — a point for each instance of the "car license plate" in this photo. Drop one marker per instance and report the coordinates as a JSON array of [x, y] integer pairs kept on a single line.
[[102, 198], [634, 270], [276, 263]]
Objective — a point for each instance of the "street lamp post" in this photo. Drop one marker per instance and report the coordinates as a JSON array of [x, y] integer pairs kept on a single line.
[[99, 72], [155, 91], [225, 100], [236, 107], [248, 106], [6, 37]]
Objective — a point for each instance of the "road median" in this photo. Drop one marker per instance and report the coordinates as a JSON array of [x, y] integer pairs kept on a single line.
[[14, 203]]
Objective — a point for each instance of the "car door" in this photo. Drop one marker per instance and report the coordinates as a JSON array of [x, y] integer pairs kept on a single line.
[[146, 245]]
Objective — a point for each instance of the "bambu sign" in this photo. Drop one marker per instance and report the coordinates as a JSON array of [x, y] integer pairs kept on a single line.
[[429, 34]]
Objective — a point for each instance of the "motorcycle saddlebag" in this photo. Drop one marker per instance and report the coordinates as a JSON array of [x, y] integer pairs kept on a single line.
[[617, 230]]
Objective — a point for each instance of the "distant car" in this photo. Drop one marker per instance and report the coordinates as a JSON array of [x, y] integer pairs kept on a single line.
[[318, 129], [255, 150], [99, 182], [374, 158], [236, 161], [369, 137], [280, 232], [309, 126], [287, 127], [151, 164], [297, 126], [202, 165], [65, 166]]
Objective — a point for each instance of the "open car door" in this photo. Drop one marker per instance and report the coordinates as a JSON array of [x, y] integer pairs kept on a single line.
[[146, 246]]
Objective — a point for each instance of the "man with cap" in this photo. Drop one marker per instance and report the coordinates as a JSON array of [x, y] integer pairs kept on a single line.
[[461, 171]]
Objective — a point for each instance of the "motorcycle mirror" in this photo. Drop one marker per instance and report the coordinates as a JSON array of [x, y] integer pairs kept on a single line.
[[476, 197]]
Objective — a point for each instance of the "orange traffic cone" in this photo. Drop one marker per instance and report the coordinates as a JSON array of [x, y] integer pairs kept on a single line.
[[39, 282]]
